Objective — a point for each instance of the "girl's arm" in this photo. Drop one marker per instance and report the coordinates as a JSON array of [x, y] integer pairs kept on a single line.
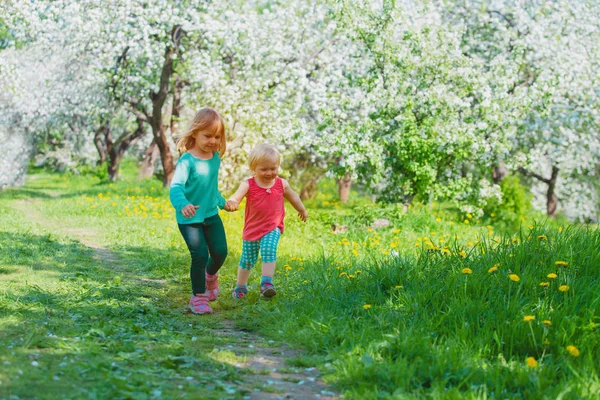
[[294, 200], [234, 201], [177, 190]]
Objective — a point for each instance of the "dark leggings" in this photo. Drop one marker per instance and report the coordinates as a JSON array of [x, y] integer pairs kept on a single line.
[[208, 247]]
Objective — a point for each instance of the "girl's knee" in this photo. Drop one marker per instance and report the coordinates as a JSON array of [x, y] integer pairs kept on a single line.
[[220, 254], [246, 265], [199, 255], [269, 255]]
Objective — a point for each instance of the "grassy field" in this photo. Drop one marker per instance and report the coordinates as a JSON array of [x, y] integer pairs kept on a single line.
[[94, 281]]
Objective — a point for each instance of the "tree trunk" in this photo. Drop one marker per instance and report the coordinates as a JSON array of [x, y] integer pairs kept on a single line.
[[551, 199], [100, 145], [150, 156], [158, 100], [309, 189], [166, 157], [116, 150], [114, 158], [178, 86], [113, 169], [499, 172], [344, 186]]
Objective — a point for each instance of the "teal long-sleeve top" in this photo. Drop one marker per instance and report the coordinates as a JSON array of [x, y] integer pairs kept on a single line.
[[196, 182]]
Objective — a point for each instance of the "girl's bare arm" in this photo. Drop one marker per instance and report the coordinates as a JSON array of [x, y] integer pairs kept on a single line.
[[294, 200], [234, 201]]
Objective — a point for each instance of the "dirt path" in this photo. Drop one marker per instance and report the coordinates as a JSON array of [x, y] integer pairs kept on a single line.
[[267, 376]]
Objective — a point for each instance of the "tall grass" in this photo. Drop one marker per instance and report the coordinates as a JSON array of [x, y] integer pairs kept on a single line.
[[487, 324], [438, 304]]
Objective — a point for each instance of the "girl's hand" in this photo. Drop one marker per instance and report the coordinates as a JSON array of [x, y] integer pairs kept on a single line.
[[231, 205], [303, 215], [189, 211]]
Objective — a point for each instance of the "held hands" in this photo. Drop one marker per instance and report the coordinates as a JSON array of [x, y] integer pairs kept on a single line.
[[231, 205], [189, 211]]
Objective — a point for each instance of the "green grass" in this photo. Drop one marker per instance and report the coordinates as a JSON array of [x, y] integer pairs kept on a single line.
[[387, 313]]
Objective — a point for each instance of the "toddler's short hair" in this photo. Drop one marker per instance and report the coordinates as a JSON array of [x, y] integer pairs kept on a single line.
[[261, 153]]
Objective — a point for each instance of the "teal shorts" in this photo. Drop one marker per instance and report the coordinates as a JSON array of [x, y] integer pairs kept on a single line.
[[267, 246]]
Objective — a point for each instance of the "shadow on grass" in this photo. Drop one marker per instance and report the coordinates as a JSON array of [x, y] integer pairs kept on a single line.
[[40, 252], [104, 344], [23, 194], [44, 252], [40, 192], [93, 336]]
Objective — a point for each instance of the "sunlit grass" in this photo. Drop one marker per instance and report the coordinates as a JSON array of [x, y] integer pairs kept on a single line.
[[437, 304]]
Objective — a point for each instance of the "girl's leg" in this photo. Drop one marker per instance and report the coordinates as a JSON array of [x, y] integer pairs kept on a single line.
[[193, 234], [242, 276], [268, 251], [268, 269], [247, 261], [216, 241]]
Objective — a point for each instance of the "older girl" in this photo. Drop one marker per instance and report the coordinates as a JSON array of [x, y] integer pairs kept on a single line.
[[196, 198]]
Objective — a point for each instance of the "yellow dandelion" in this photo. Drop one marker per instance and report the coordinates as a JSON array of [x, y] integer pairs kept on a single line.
[[493, 269], [355, 252], [547, 322], [528, 318], [574, 351], [342, 274], [561, 263], [470, 244], [514, 277], [367, 306], [462, 254], [466, 221], [544, 284], [467, 271], [563, 288], [399, 287], [542, 237], [552, 275], [288, 268], [531, 362]]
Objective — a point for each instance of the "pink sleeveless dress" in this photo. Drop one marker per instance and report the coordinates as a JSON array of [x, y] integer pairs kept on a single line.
[[264, 210]]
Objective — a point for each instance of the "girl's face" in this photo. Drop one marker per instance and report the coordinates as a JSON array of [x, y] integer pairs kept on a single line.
[[207, 142], [267, 171]]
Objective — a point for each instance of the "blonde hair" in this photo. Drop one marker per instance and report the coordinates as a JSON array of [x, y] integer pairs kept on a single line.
[[207, 119], [261, 153]]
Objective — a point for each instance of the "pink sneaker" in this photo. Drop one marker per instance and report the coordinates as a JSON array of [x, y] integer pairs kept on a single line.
[[212, 287], [199, 305]]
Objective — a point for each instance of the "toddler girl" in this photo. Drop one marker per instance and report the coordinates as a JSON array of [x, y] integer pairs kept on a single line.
[[263, 224]]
